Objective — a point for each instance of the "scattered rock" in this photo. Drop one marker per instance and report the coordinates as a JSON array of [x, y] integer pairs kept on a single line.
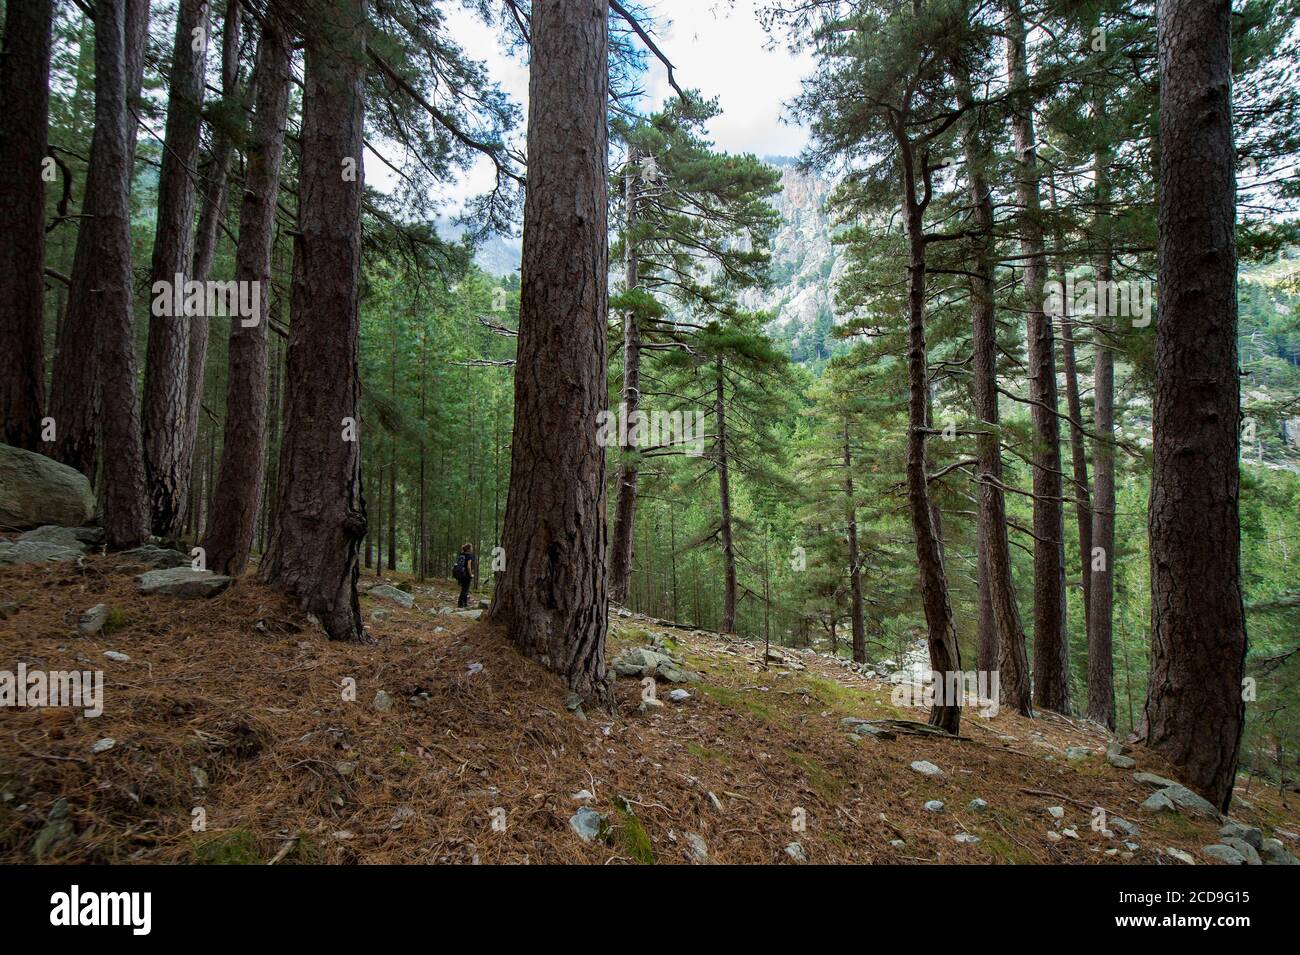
[[966, 839], [587, 823], [35, 552], [1076, 754], [1124, 826], [200, 776], [1184, 798], [182, 582], [468, 614], [81, 538], [796, 852], [36, 490], [696, 847], [1276, 854], [103, 745], [1070, 833], [898, 843], [389, 592], [1053, 836], [1244, 848], [473, 668], [649, 704], [1056, 812], [117, 656], [582, 795], [153, 557], [977, 805], [1119, 761], [927, 768], [679, 695], [383, 702], [1224, 853], [643, 662], [378, 616], [93, 620], [866, 728], [57, 827], [1236, 830], [1184, 857], [345, 767], [1158, 802], [934, 805], [1151, 779]]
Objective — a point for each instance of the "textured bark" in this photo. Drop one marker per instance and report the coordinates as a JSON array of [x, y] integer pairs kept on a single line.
[[167, 355], [728, 623], [620, 555], [74, 402], [1051, 646], [238, 493], [552, 595], [107, 292], [24, 129], [1078, 455], [996, 586], [855, 572], [320, 514], [1101, 588], [1194, 710], [211, 210]]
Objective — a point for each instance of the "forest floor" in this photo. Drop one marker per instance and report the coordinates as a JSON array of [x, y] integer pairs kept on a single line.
[[231, 712]]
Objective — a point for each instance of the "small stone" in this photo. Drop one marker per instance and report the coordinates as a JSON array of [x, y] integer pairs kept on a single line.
[[345, 767], [649, 704], [977, 805], [934, 805], [104, 745], [377, 616], [474, 668], [182, 582], [116, 656], [1243, 847], [389, 592], [1053, 836], [1056, 812], [966, 839], [1237, 830], [1069, 834], [1158, 802], [679, 695], [1151, 779], [200, 776], [1276, 854], [468, 614], [1184, 857], [1120, 761], [696, 847], [927, 768], [582, 795], [587, 823], [1224, 853], [383, 702], [93, 620], [1132, 846], [898, 843], [1077, 754], [796, 852], [1124, 826]]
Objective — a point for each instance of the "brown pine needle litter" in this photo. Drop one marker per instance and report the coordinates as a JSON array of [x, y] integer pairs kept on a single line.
[[242, 735]]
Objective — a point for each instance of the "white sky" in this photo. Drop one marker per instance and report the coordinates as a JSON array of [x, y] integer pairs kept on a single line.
[[716, 46]]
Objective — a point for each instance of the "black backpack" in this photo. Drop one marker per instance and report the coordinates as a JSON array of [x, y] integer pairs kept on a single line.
[[461, 570]]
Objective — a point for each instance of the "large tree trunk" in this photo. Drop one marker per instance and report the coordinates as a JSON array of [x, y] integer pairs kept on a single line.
[[855, 572], [552, 596], [945, 655], [107, 289], [1051, 646], [625, 481], [728, 623], [320, 515], [211, 211], [24, 127], [238, 493], [996, 586], [1101, 590], [167, 356], [1194, 709], [74, 389]]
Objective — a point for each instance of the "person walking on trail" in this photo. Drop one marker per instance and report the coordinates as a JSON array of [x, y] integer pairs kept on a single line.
[[464, 571]]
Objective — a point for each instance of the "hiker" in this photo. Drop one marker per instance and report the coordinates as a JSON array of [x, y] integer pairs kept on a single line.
[[464, 571]]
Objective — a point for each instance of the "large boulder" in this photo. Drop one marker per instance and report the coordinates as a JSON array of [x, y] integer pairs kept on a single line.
[[35, 552], [82, 538], [36, 490], [182, 582]]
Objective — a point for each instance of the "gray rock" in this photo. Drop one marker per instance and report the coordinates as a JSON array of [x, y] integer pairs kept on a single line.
[[103, 745], [1120, 761], [643, 662], [383, 702], [1076, 754], [587, 823], [934, 805], [388, 592], [1184, 798], [153, 557], [1184, 857], [1151, 779], [977, 805], [898, 843], [1276, 854], [57, 827], [36, 490], [1237, 830], [863, 727], [81, 538], [696, 847], [182, 582], [1224, 853], [117, 656], [93, 620], [1124, 826], [1056, 812], [1245, 848], [927, 768], [35, 552], [678, 696], [468, 614], [1157, 802], [796, 852], [966, 839]]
